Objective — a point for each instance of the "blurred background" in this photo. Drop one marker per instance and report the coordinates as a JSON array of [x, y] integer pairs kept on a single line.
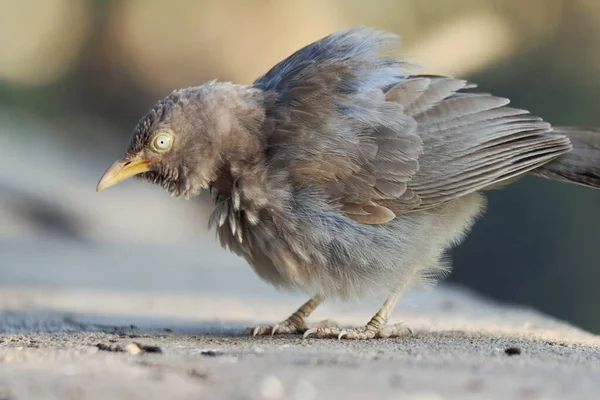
[[75, 76]]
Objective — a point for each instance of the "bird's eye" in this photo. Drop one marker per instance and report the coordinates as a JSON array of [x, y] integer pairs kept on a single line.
[[162, 142]]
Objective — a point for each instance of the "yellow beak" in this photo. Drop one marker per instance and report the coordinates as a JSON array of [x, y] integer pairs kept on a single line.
[[121, 170]]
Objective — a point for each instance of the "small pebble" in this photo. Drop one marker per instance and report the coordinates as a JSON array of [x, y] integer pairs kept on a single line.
[[211, 353], [133, 349], [513, 351], [137, 348], [150, 348], [114, 347]]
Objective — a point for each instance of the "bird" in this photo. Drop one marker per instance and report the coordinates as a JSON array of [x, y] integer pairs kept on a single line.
[[342, 173]]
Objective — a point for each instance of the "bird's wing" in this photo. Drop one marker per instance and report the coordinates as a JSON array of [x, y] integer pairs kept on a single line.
[[471, 141], [376, 142]]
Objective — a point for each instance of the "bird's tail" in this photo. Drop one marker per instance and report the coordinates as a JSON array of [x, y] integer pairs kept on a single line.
[[580, 165]]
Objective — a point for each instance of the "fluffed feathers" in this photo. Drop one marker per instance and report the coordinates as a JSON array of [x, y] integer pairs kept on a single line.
[[339, 174]]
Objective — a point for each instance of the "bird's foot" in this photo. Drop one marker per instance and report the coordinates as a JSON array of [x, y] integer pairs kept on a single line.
[[296, 323], [291, 326], [368, 331]]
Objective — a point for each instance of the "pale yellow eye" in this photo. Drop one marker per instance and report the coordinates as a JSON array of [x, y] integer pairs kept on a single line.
[[162, 142]]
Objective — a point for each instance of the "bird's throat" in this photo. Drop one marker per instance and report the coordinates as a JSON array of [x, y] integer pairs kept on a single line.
[[224, 182]]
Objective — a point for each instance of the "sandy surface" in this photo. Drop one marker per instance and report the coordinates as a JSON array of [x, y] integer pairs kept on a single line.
[[58, 344]]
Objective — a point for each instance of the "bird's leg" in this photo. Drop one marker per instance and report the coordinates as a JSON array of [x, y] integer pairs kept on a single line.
[[296, 323], [376, 327]]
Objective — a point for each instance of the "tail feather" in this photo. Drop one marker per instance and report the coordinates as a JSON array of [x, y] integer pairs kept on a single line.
[[581, 165]]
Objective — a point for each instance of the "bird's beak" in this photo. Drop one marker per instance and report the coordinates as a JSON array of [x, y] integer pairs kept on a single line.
[[121, 170]]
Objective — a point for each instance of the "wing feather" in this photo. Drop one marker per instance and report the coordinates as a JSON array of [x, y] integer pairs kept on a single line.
[[378, 142]]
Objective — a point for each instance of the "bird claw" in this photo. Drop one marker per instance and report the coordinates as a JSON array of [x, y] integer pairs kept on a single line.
[[360, 333], [309, 332], [339, 333], [288, 327], [261, 330], [281, 328], [268, 330], [274, 329]]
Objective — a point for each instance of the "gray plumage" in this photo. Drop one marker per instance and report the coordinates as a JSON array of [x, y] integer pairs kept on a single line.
[[339, 174]]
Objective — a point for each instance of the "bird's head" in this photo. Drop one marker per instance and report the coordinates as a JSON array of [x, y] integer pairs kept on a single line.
[[187, 138]]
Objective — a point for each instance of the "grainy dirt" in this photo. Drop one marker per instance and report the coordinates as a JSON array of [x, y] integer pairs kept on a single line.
[[463, 348]]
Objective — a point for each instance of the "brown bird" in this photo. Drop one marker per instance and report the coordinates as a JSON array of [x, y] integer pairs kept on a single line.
[[340, 174]]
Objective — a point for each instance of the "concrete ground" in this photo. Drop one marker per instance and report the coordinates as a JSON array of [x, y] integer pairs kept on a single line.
[[58, 344], [124, 295]]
